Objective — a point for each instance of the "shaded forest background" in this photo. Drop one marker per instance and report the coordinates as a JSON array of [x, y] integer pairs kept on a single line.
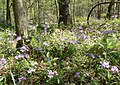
[[41, 11]]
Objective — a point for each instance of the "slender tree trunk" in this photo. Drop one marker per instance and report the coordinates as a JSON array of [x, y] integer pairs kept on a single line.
[[8, 17], [39, 13], [64, 13], [109, 9], [57, 10], [21, 23], [3, 11], [118, 9], [99, 11]]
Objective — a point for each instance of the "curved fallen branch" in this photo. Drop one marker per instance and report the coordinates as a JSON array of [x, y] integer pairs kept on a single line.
[[95, 7]]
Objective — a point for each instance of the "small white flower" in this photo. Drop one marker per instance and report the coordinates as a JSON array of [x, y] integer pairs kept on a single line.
[[34, 63], [30, 70], [50, 74], [18, 38], [45, 43]]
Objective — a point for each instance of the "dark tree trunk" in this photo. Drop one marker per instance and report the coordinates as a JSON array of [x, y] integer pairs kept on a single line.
[[8, 17], [21, 23], [64, 13], [99, 11], [109, 9]]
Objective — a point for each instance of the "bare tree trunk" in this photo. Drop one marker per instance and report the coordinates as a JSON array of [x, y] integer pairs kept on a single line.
[[21, 23], [109, 9], [99, 12], [39, 13], [64, 13], [8, 17]]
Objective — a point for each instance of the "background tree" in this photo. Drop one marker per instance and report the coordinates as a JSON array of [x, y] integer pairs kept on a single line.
[[64, 12], [109, 9], [21, 23], [8, 17]]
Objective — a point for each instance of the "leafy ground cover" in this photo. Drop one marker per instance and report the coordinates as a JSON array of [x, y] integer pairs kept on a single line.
[[77, 55]]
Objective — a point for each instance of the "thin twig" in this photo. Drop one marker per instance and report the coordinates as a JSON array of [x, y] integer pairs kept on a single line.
[[13, 79]]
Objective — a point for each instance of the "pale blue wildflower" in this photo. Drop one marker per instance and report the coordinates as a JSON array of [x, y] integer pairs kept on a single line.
[[114, 69], [21, 79], [105, 64]]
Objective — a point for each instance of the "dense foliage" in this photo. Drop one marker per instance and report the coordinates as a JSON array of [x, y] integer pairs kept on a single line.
[[77, 55]]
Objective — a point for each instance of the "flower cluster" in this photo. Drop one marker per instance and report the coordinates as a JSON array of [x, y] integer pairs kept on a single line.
[[2, 62], [17, 39], [11, 41], [21, 56], [113, 68], [24, 48], [80, 27], [39, 49], [21, 79], [52, 74], [105, 64], [109, 32], [74, 42]]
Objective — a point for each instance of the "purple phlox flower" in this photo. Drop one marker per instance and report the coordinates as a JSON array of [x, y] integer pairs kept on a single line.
[[52, 74], [64, 38], [80, 27], [74, 42], [19, 56], [105, 64], [21, 79], [26, 55], [114, 69], [11, 41], [109, 32], [85, 37], [39, 49], [3, 61], [77, 74], [90, 29], [24, 48], [18, 38], [30, 70]]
